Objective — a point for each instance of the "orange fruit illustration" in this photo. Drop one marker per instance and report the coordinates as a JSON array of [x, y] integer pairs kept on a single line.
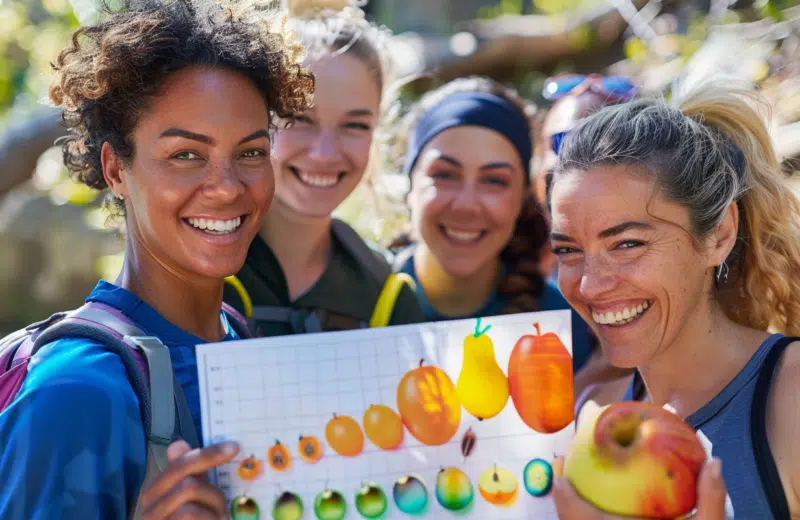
[[429, 405], [383, 427], [278, 457], [344, 435], [249, 468], [309, 448]]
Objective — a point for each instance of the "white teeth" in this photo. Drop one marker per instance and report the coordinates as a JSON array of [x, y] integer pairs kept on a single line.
[[216, 227], [627, 315], [318, 181], [462, 236]]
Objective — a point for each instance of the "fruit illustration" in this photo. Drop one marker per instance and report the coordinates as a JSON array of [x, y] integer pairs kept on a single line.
[[309, 448], [482, 386], [468, 442], [498, 486], [540, 380], [330, 505], [383, 427], [344, 435], [288, 506], [453, 489], [278, 457], [649, 452], [244, 508], [371, 501], [249, 468], [428, 405], [538, 477], [410, 494]]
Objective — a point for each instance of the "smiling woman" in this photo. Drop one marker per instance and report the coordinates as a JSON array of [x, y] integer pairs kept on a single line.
[[306, 271], [678, 240], [168, 107], [476, 230]]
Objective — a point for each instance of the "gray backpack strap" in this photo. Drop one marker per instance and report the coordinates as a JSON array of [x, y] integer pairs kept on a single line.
[[377, 266]]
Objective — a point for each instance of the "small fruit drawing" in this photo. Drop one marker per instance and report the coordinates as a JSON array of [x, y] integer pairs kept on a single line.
[[428, 405], [482, 385], [278, 457], [244, 508], [371, 501], [498, 486], [541, 382], [344, 435], [309, 448], [383, 427], [249, 468], [538, 477], [453, 489], [468, 442], [650, 452], [288, 506], [410, 494], [330, 505]]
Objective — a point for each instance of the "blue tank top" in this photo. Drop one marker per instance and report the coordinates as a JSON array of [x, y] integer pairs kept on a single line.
[[726, 421]]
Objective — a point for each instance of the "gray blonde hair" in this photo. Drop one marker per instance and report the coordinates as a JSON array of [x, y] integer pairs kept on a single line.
[[707, 151]]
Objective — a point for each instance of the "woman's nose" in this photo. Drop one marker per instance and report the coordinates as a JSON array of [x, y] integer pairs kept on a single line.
[[325, 147], [598, 277], [224, 184]]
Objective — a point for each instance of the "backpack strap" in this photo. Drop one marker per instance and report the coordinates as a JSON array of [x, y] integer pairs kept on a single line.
[[767, 470], [364, 255]]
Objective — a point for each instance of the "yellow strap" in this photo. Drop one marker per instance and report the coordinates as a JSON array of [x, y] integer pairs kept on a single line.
[[388, 298], [243, 294]]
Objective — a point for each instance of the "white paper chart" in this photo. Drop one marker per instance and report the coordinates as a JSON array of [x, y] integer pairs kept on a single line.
[[437, 420]]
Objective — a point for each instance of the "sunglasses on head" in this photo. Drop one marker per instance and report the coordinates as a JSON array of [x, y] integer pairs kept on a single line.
[[615, 88]]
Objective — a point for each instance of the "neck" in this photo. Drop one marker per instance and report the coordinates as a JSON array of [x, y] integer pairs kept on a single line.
[[707, 355], [192, 305], [454, 295], [302, 245]]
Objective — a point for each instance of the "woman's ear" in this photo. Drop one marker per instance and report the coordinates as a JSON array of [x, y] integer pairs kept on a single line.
[[724, 237], [113, 171]]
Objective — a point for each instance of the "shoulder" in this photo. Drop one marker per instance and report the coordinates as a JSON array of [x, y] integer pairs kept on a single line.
[[783, 420]]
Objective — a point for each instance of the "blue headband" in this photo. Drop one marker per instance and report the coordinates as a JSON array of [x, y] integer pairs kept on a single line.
[[473, 109]]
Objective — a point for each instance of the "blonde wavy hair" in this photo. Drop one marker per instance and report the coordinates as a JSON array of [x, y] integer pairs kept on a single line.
[[708, 149]]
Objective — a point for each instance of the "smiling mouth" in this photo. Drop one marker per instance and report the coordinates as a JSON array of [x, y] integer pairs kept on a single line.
[[624, 317], [461, 236], [216, 227], [317, 181]]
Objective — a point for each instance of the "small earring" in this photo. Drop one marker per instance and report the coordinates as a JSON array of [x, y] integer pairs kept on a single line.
[[722, 272], [121, 196]]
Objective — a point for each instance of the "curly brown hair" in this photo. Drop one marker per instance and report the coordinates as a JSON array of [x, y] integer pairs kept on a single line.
[[523, 282], [105, 76]]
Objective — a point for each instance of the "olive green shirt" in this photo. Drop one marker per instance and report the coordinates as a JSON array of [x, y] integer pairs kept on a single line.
[[346, 290]]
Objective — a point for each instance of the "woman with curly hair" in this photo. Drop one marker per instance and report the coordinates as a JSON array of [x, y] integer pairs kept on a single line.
[[168, 107], [473, 249], [678, 240], [307, 271]]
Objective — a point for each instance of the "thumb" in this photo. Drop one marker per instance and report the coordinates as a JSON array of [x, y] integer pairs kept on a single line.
[[711, 492], [177, 450]]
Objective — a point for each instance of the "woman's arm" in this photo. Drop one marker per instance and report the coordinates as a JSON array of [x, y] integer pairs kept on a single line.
[[783, 423], [73, 443]]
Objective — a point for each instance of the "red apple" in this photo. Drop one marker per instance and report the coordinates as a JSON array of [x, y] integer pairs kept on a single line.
[[635, 459]]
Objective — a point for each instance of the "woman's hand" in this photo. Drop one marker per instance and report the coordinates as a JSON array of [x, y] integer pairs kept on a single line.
[[711, 495], [183, 490]]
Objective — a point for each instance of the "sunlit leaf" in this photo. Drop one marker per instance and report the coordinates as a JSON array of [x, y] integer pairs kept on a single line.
[[73, 193], [108, 267]]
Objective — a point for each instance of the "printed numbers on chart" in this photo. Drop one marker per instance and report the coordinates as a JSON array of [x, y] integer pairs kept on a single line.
[[214, 369]]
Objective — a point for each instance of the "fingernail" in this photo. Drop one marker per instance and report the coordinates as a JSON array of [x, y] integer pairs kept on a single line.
[[230, 448], [716, 469]]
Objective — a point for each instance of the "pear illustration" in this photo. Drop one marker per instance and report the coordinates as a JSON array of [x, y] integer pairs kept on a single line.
[[482, 386]]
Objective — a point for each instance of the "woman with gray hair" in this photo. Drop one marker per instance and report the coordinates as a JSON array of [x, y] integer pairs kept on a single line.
[[677, 237]]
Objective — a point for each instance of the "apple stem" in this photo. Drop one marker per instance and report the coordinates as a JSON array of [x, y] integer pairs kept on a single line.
[[538, 330], [421, 361], [478, 331]]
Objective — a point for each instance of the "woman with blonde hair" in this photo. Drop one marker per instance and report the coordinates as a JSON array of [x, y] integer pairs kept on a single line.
[[678, 239], [307, 271]]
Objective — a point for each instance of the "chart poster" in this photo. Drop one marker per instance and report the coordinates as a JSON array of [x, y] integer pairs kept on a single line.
[[434, 421]]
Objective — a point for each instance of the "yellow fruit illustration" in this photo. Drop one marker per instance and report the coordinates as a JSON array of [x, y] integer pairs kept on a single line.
[[482, 386]]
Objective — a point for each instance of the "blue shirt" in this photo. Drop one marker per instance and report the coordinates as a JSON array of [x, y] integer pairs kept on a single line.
[[550, 300], [73, 445]]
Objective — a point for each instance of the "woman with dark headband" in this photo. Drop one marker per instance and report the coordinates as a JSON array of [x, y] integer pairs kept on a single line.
[[476, 231]]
